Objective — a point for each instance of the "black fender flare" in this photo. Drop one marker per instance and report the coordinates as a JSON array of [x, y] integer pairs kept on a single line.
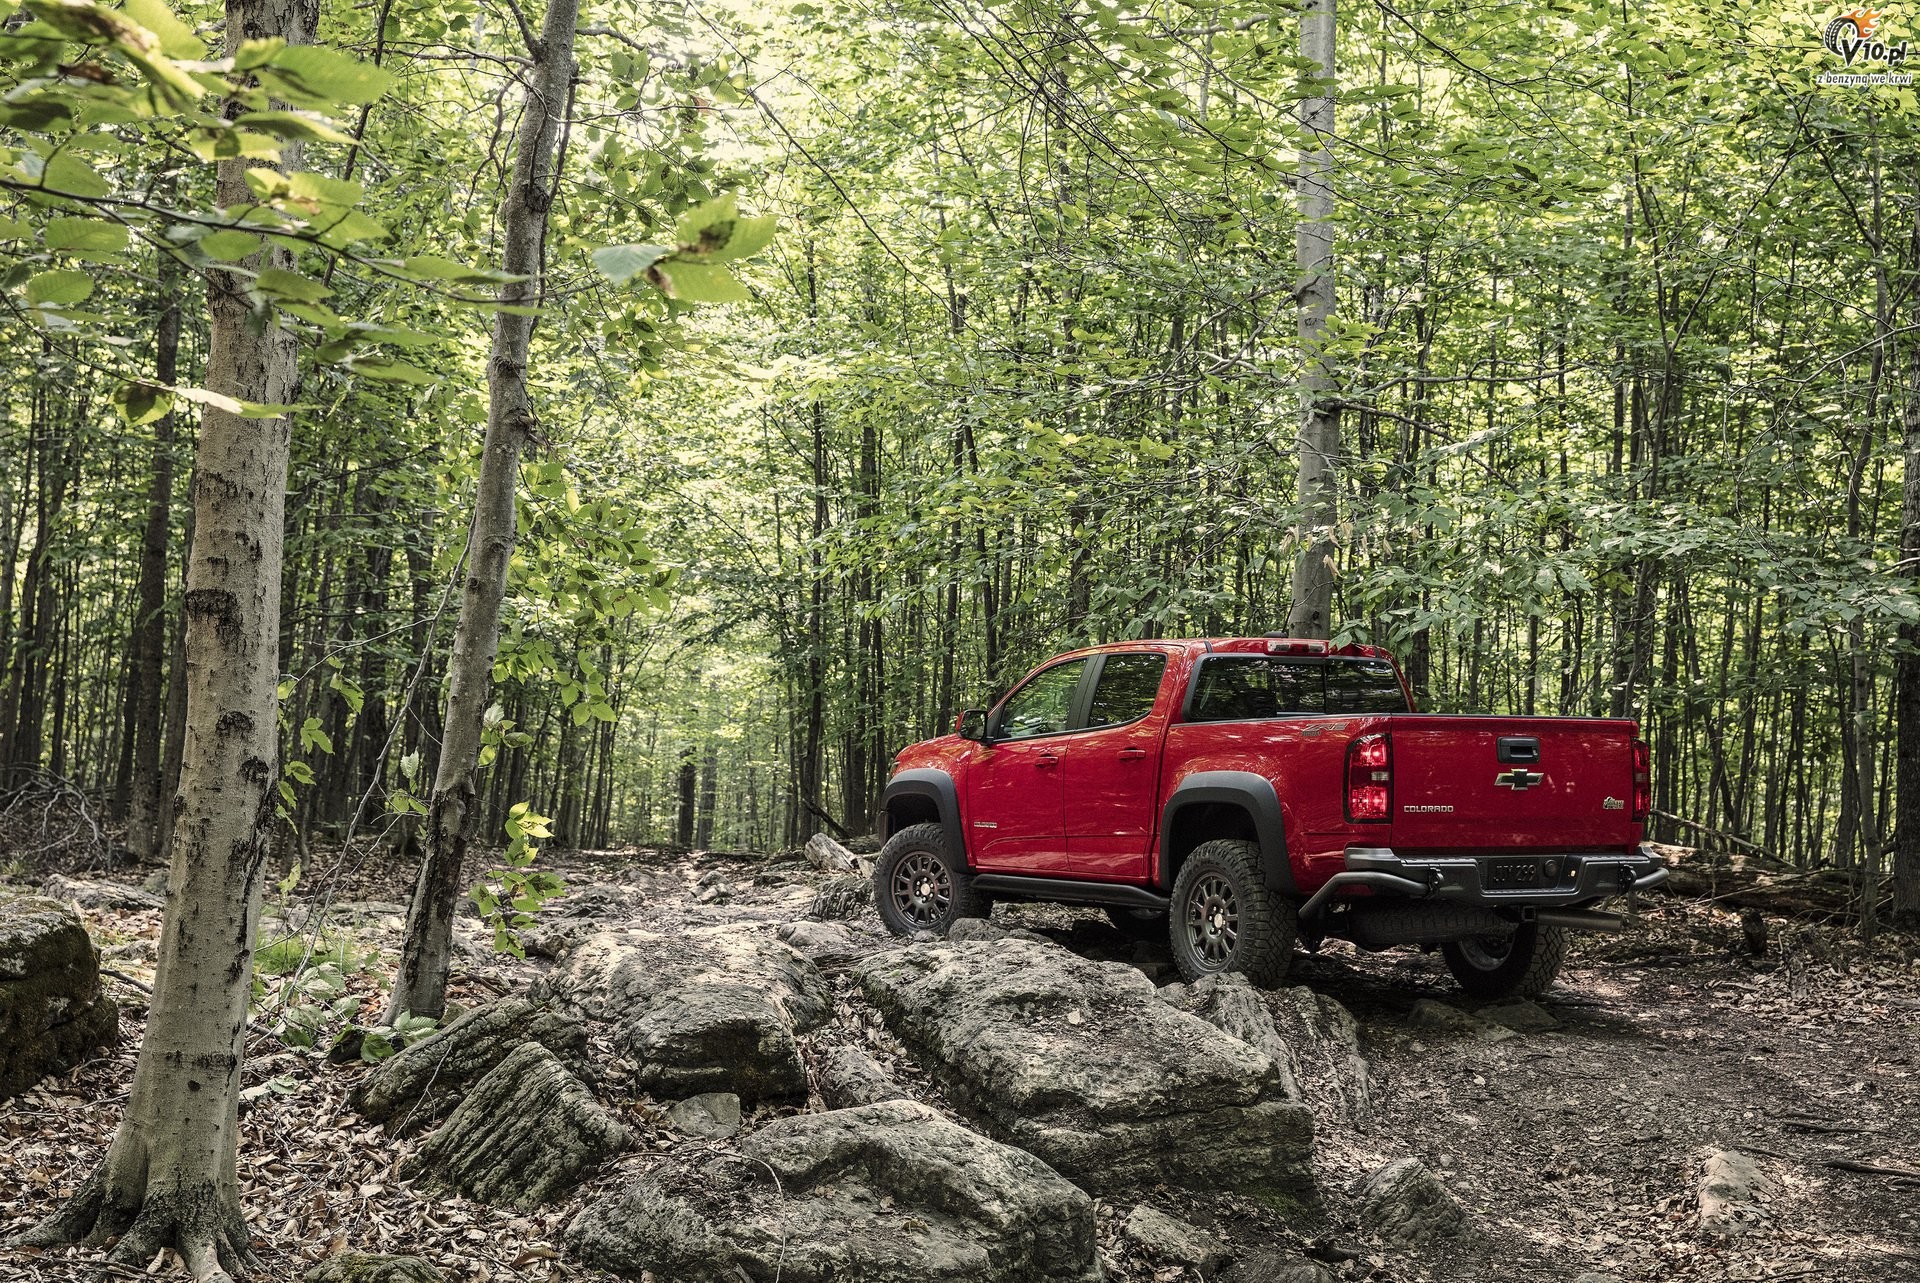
[[929, 782], [1253, 794]]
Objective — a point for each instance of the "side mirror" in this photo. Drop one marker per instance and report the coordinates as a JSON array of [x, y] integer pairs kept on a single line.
[[972, 725]]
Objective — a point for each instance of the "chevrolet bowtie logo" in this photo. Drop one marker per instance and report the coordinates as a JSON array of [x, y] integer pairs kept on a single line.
[[1519, 779]]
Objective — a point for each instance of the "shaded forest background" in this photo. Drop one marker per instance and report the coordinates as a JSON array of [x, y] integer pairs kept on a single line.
[[1626, 340]]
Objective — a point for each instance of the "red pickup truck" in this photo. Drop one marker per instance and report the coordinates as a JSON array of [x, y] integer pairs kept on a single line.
[[1235, 796]]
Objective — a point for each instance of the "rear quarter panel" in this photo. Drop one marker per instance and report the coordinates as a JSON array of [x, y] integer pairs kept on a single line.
[[1305, 758]]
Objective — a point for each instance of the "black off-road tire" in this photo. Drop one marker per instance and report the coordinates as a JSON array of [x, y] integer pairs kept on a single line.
[[1224, 919], [1523, 965], [920, 885], [1139, 924]]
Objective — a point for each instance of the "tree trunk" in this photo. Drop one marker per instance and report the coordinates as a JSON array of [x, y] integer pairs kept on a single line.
[[168, 1180], [1906, 822], [145, 676], [420, 988], [1311, 614]]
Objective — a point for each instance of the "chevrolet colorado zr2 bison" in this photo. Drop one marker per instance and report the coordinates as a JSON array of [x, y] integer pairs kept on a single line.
[[1234, 796]]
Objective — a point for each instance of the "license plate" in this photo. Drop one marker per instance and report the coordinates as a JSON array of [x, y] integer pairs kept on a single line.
[[1503, 874]]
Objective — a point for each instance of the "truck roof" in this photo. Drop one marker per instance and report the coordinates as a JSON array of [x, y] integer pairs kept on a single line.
[[1271, 644]]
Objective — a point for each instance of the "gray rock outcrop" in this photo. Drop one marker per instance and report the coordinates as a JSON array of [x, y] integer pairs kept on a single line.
[[526, 1133], [850, 1077], [1170, 1239], [90, 893], [714, 1115], [369, 1267], [841, 897], [1082, 1064], [415, 1086], [888, 1193], [1406, 1204], [53, 1014], [1329, 1065], [1733, 1193], [711, 1009]]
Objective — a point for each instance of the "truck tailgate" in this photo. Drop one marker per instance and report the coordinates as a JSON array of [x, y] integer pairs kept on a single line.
[[1518, 783]]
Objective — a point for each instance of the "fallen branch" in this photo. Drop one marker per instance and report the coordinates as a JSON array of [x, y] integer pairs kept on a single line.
[[1873, 1169]]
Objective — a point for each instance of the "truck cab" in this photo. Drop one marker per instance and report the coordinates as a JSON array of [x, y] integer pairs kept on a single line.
[[1239, 794]]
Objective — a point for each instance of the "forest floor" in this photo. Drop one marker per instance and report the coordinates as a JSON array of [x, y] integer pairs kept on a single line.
[[1578, 1148]]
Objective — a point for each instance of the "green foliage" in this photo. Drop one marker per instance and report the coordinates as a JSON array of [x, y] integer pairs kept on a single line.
[[508, 897]]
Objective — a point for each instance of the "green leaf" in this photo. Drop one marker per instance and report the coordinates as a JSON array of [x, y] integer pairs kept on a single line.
[[432, 268], [66, 172], [86, 235], [301, 126], [140, 403], [621, 263], [228, 246], [60, 288], [176, 37], [280, 283], [700, 283], [388, 370], [311, 76]]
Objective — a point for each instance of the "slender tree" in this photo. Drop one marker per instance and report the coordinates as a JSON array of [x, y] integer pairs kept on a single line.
[[168, 1179], [421, 986], [1311, 614]]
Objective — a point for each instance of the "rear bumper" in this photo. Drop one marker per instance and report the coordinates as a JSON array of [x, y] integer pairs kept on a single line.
[[1512, 880]]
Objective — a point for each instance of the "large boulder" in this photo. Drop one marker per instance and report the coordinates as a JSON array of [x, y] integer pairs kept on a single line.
[[1080, 1062], [1323, 1042], [709, 1009], [887, 1193], [414, 1087], [53, 1014], [526, 1133]]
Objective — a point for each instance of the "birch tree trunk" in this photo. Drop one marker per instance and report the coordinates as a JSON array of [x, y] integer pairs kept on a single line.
[[1311, 614], [168, 1180], [421, 987]]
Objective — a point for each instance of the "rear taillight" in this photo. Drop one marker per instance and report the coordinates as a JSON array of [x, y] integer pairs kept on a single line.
[[1370, 779], [1642, 781]]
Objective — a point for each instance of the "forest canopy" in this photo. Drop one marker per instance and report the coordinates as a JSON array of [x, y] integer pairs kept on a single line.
[[1001, 358]]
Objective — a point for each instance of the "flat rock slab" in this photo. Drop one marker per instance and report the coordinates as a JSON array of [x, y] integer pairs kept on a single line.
[[1733, 1193], [888, 1193], [1081, 1063], [1439, 1017], [53, 1014], [711, 1009], [368, 1267], [1521, 1016], [1167, 1238], [712, 1116], [1276, 1267], [418, 1084], [849, 1077], [1408, 1206], [826, 943], [91, 893], [526, 1133]]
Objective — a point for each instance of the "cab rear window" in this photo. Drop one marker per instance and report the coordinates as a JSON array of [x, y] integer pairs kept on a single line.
[[1238, 688]]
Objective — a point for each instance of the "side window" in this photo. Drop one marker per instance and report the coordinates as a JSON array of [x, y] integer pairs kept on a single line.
[[1233, 689], [1042, 706], [1364, 686], [1126, 690]]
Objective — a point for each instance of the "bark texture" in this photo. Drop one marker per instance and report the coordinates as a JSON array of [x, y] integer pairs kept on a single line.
[[168, 1178], [1311, 614], [421, 986]]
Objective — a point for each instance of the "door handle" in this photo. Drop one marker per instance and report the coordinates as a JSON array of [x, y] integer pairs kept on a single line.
[[1131, 754], [1046, 761]]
